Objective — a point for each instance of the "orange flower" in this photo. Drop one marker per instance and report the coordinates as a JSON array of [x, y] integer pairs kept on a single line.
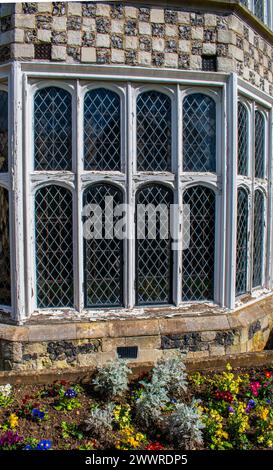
[[267, 374]]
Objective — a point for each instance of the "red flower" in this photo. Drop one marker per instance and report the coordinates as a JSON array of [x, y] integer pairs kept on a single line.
[[154, 446], [267, 374]]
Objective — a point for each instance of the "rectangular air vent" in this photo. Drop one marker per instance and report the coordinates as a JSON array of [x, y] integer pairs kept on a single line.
[[209, 63], [127, 352], [42, 51]]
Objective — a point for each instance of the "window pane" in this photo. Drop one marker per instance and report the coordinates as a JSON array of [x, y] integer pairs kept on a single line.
[[54, 247], [242, 235], [153, 249], [3, 131], [198, 259], [52, 129], [242, 140], [199, 133], [154, 131], [103, 257], [102, 130], [259, 9], [259, 145], [5, 290], [258, 259]]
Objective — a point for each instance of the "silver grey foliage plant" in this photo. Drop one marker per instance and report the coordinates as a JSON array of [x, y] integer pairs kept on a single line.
[[184, 426], [111, 380]]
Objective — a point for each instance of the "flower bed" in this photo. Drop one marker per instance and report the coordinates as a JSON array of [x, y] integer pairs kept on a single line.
[[165, 409]]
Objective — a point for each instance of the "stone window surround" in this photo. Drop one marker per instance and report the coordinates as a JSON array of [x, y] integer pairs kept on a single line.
[[22, 255], [268, 11]]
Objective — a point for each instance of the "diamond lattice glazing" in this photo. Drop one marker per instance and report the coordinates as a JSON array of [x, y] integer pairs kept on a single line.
[[242, 242], [3, 131], [199, 133], [258, 241], [242, 140], [103, 258], [5, 287], [52, 129], [154, 128], [259, 145], [198, 259], [153, 255], [102, 139], [54, 247]]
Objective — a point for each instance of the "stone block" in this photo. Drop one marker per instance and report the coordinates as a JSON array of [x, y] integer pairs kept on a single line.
[[103, 9], [171, 60], [117, 56], [22, 51], [25, 21], [88, 24], [209, 48], [44, 7], [183, 17], [131, 42], [235, 52], [35, 348], [158, 44], [131, 12], [225, 64], [88, 54], [184, 46], [197, 33], [216, 350], [226, 37], [74, 8], [208, 336], [144, 28], [171, 30], [120, 328], [58, 53], [111, 344], [103, 40], [210, 20], [144, 342], [74, 38], [19, 35], [157, 15], [59, 23], [197, 354], [144, 58], [44, 35], [117, 26]]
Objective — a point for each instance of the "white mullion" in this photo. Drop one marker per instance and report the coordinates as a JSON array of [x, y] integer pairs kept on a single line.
[[131, 152], [231, 191], [178, 128], [251, 200], [16, 195], [270, 203], [77, 133]]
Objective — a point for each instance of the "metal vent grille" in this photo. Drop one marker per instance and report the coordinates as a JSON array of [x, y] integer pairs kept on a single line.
[[198, 259], [42, 51], [242, 237], [129, 352], [209, 63], [199, 133]]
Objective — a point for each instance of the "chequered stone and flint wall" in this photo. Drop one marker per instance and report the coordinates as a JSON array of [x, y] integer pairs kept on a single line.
[[70, 345], [112, 33]]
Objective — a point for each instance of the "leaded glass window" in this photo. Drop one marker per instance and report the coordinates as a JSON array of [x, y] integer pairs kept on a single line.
[[199, 133], [103, 253], [242, 242], [198, 258], [102, 130], [54, 247], [242, 139], [153, 247], [259, 9], [258, 241], [5, 287], [52, 129], [259, 145], [154, 131], [3, 131]]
